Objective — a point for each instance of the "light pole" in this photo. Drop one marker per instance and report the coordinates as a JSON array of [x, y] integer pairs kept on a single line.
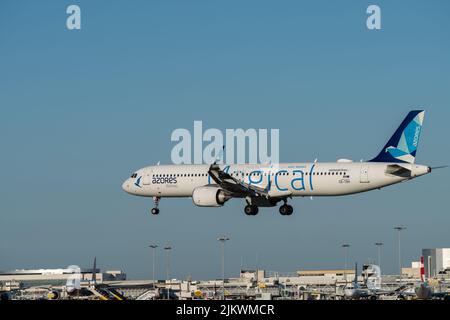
[[346, 247], [257, 267], [222, 240], [168, 248], [153, 246], [379, 245], [399, 228]]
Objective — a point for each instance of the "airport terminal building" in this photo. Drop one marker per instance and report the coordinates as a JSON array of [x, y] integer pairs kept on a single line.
[[34, 277], [436, 261]]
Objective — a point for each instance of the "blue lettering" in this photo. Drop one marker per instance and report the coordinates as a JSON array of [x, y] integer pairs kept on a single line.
[[302, 187], [256, 173], [276, 181], [311, 177], [269, 183]]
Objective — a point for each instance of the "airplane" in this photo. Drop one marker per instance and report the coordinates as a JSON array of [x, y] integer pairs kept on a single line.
[[265, 185], [417, 290], [423, 291], [371, 288], [355, 290]]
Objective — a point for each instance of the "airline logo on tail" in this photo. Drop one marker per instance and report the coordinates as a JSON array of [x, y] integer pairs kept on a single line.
[[403, 144], [422, 269]]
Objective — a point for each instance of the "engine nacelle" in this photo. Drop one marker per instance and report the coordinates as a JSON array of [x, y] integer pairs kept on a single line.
[[209, 197]]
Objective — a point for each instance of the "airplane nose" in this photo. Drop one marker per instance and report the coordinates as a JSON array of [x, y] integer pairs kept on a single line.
[[126, 185]]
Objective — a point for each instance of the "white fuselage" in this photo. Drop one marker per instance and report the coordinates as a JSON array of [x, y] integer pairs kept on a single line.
[[287, 179]]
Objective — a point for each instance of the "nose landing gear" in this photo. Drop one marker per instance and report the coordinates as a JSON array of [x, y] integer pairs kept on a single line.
[[155, 210]]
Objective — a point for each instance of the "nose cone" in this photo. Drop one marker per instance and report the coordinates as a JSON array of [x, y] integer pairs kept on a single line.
[[126, 186]]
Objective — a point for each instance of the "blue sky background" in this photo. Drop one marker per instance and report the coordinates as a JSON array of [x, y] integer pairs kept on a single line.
[[80, 110]]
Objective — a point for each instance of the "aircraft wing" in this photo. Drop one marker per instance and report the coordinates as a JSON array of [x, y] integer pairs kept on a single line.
[[233, 185]]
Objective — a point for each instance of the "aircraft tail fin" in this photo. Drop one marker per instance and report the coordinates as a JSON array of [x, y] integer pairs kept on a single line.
[[402, 146], [422, 270], [373, 280]]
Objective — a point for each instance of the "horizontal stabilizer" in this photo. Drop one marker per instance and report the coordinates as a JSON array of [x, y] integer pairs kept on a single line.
[[398, 170]]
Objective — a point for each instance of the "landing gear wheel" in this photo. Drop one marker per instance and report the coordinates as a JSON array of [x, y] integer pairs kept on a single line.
[[155, 209], [286, 210], [290, 210], [251, 210]]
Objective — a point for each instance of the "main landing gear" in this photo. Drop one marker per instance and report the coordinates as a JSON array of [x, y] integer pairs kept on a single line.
[[155, 209], [285, 209], [251, 210]]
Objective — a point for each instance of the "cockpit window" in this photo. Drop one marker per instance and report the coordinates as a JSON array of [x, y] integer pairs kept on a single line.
[[134, 175]]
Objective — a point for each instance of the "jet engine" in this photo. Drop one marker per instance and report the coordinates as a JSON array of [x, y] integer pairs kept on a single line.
[[209, 196]]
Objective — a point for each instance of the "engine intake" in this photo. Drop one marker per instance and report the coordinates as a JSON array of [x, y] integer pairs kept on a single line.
[[209, 197]]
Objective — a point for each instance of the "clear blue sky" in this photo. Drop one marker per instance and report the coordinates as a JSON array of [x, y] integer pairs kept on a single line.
[[80, 110]]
